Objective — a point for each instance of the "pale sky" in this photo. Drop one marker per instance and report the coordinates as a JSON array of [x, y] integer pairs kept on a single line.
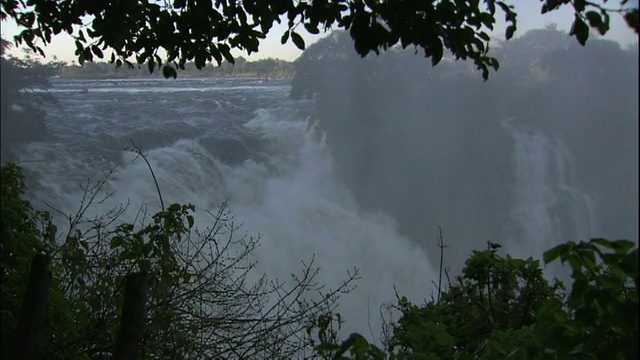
[[529, 17]]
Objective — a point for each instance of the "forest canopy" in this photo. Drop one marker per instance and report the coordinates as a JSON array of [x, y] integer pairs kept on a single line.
[[204, 31]]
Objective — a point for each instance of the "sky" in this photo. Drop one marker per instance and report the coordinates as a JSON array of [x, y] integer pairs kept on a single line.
[[529, 17]]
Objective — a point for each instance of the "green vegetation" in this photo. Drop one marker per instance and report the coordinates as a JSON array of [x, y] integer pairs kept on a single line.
[[205, 31], [265, 68], [201, 301], [201, 305], [503, 308]]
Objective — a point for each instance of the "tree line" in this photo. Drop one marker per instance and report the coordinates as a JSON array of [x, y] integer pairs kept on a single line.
[[264, 68]]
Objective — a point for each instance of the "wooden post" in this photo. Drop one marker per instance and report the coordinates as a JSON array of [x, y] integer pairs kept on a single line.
[[133, 317], [26, 337]]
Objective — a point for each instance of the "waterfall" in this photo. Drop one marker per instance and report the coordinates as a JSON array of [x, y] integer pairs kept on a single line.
[[546, 207]]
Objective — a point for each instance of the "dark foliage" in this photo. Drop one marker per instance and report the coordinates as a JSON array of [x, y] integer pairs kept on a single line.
[[504, 308], [204, 30]]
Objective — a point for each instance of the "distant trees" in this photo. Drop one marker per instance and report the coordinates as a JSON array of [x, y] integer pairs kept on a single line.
[[264, 68], [21, 117]]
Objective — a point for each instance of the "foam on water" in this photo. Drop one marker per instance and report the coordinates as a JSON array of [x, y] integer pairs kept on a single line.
[[291, 200]]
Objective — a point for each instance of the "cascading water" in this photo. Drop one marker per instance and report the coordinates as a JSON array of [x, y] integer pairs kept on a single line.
[[243, 141], [546, 208], [279, 182]]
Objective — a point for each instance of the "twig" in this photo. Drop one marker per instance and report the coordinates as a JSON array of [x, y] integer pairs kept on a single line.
[[138, 151], [373, 337], [441, 246]]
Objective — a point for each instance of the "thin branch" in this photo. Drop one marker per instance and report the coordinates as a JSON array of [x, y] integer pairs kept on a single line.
[[441, 246], [138, 151]]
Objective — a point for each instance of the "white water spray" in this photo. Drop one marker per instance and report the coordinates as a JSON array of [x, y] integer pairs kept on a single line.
[[546, 209], [292, 200]]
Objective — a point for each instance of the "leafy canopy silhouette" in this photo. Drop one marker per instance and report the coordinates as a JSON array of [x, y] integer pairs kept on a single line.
[[204, 31]]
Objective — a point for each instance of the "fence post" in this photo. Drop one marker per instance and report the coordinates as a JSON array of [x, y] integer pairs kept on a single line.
[[133, 317], [27, 335]]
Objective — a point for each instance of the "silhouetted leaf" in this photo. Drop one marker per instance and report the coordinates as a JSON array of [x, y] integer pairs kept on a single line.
[[619, 246], [224, 49], [144, 265], [595, 21], [511, 29], [297, 40], [284, 37], [553, 253], [491, 6], [437, 53], [168, 71], [631, 17], [312, 29], [580, 30]]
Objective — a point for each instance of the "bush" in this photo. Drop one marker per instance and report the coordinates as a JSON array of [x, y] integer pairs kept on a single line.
[[504, 308], [199, 304]]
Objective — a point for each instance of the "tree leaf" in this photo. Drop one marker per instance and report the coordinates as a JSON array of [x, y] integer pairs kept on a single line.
[[144, 265], [116, 242], [224, 49], [594, 19], [96, 50], [285, 37], [511, 29], [619, 246], [553, 253], [580, 30], [297, 40], [151, 65], [437, 52], [312, 29], [631, 17], [168, 71]]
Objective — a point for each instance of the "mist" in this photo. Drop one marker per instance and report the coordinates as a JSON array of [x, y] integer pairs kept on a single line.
[[545, 151]]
